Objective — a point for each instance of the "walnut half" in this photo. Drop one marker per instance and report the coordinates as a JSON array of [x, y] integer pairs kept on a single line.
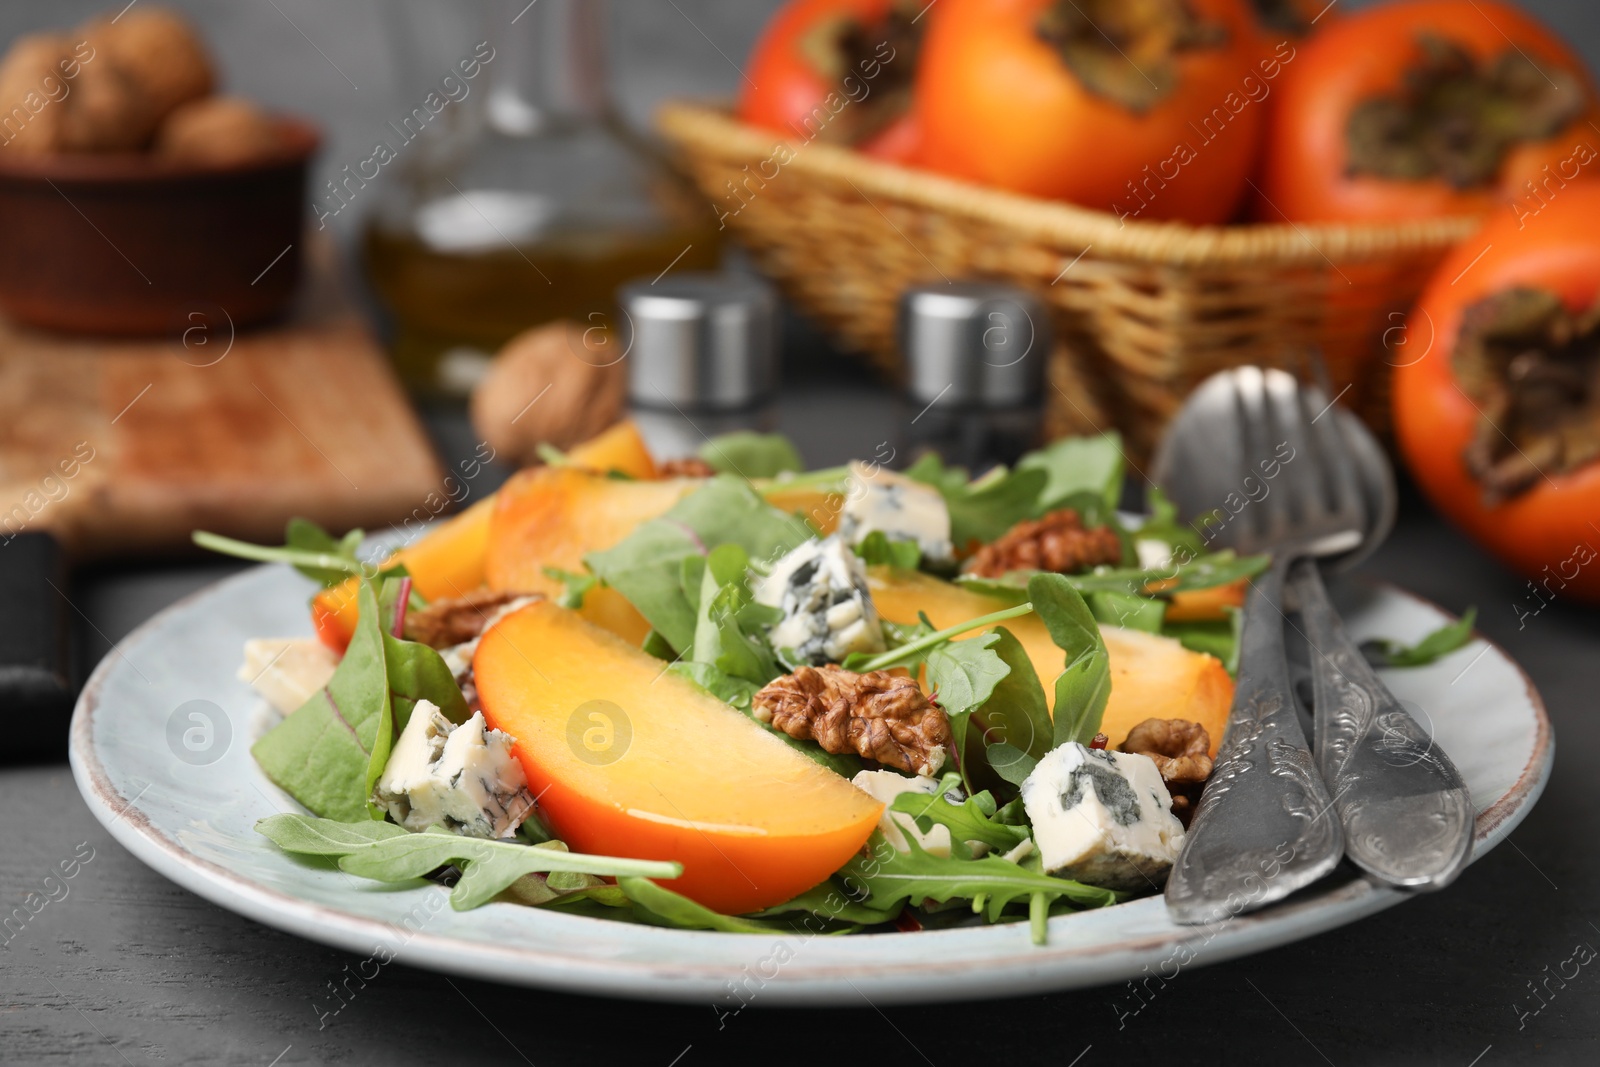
[[1180, 749], [878, 716], [453, 621]]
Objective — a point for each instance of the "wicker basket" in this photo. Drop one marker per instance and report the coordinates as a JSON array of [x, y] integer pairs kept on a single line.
[[1144, 310]]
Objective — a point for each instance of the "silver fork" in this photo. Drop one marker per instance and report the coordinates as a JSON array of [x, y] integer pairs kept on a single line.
[[1265, 826]]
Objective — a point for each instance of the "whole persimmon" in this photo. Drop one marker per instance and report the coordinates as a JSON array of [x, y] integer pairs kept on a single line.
[[1499, 417], [839, 72], [1424, 108], [1148, 109]]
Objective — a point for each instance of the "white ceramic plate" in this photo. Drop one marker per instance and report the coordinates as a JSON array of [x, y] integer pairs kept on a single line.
[[186, 806]]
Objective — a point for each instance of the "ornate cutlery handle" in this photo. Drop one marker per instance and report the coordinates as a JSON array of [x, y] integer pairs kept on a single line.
[[1264, 827], [1407, 815]]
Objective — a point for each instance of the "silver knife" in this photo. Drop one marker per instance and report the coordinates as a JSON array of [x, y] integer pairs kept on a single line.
[[1265, 826], [1408, 818]]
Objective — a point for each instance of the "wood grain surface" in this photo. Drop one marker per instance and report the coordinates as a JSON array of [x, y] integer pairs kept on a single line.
[[122, 447]]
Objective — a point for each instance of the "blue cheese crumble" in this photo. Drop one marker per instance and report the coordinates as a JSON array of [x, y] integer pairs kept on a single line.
[[902, 509], [821, 589], [463, 778], [1102, 818]]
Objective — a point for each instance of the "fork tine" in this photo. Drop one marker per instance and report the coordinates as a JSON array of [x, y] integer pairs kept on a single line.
[[1257, 527], [1346, 498], [1299, 510]]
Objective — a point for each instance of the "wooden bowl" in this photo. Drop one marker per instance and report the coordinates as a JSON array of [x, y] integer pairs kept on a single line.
[[135, 244]]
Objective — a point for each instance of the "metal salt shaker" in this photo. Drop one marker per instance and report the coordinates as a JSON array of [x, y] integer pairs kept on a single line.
[[702, 358], [975, 355]]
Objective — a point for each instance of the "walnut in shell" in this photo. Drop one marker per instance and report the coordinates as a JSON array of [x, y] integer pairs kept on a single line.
[[218, 130], [33, 93], [877, 715], [547, 387], [160, 51]]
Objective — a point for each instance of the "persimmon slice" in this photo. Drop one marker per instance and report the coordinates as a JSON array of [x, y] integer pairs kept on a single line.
[[628, 760]]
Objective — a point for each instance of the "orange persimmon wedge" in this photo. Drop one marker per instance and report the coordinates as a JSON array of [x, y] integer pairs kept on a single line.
[[445, 562], [619, 449], [554, 516], [1152, 677], [629, 761]]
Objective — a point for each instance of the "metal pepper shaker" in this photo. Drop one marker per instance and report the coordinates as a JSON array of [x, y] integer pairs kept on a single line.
[[702, 358], [975, 356]]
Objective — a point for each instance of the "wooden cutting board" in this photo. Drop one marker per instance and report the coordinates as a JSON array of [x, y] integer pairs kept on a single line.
[[123, 447]]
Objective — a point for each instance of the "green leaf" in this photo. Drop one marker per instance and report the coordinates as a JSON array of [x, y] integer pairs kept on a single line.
[[316, 555], [963, 675], [656, 645], [971, 820], [1077, 465], [575, 586], [328, 753], [1010, 762], [1016, 714], [876, 548], [1204, 572], [646, 567], [1219, 638], [888, 877], [830, 901], [386, 853], [1084, 687], [311, 836], [982, 510], [1128, 610], [729, 632], [1386, 652], [752, 455], [487, 867], [915, 650], [1162, 524], [663, 907]]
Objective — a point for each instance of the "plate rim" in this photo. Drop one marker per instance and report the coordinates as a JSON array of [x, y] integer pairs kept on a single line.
[[1036, 969]]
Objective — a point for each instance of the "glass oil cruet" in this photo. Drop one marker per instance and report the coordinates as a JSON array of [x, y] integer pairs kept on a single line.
[[525, 197]]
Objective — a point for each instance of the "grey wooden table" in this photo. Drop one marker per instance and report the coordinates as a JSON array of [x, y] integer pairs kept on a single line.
[[121, 966]]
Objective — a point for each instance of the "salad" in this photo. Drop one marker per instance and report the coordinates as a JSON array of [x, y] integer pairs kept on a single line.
[[725, 693]]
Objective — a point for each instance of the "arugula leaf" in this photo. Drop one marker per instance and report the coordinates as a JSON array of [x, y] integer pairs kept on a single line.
[[656, 645], [306, 536], [982, 510], [876, 548], [302, 834], [1387, 652], [1219, 638], [646, 567], [575, 586], [1084, 687], [1016, 713], [830, 901], [888, 877], [1075, 465], [725, 687], [1204, 572], [487, 867], [1010, 762], [971, 820], [752, 455], [728, 630], [309, 550], [1162, 524], [663, 907], [1128, 610], [915, 650], [963, 676]]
